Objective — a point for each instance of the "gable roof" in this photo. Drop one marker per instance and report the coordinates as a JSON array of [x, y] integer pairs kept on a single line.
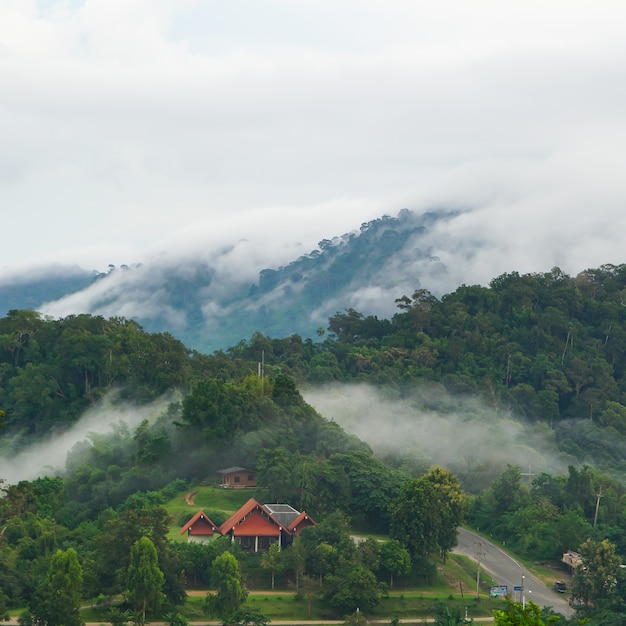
[[251, 519], [302, 521], [199, 524], [232, 470]]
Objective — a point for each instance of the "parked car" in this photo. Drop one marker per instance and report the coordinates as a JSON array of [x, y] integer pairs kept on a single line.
[[560, 586]]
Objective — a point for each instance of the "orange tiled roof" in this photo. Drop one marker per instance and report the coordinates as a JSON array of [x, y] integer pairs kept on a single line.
[[257, 525], [302, 521], [199, 524], [251, 520]]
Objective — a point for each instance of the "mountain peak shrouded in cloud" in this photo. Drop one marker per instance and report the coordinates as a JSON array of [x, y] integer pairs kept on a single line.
[[213, 296], [216, 297]]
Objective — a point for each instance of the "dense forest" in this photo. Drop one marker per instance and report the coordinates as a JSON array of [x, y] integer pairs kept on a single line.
[[544, 348]]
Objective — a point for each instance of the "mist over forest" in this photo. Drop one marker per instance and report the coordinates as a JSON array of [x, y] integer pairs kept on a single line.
[[49, 456], [433, 427], [215, 293]]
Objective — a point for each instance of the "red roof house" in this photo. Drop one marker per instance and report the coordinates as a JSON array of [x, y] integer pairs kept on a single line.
[[252, 527], [256, 527], [199, 528]]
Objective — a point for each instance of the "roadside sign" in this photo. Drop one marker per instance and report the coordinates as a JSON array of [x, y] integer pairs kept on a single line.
[[498, 591]]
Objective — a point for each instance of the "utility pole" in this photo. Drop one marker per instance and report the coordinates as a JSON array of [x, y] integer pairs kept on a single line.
[[479, 557], [528, 473], [261, 372], [598, 496]]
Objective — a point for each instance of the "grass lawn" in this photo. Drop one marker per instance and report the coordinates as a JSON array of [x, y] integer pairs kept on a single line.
[[289, 606]]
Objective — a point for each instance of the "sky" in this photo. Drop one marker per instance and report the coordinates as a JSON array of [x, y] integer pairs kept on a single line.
[[131, 129]]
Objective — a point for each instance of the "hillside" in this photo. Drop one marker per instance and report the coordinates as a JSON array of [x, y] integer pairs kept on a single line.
[[539, 355], [211, 304]]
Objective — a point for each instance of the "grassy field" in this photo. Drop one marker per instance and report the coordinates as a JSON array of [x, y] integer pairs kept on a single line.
[[289, 606], [454, 585]]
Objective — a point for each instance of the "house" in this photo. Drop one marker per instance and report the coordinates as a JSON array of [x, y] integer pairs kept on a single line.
[[572, 560], [258, 526], [199, 529], [237, 478]]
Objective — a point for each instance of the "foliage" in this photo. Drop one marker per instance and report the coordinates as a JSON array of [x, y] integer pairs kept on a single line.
[[547, 347], [450, 617], [57, 600], [357, 589], [515, 614], [426, 514], [144, 579], [272, 560], [597, 578], [230, 595], [247, 616], [119, 617], [175, 619], [394, 559]]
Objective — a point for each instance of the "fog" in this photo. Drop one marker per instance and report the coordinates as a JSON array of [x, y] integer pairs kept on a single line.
[[48, 457], [429, 427]]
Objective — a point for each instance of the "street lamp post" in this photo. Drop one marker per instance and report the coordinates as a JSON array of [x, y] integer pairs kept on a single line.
[[522, 598]]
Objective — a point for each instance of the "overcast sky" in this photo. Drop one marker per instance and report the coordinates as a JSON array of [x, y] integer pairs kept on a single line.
[[132, 127]]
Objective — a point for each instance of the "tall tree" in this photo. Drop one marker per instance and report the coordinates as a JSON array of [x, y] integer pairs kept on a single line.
[[394, 559], [453, 504], [272, 561], [230, 594], [416, 518], [57, 601], [355, 589], [426, 514], [596, 579], [144, 579]]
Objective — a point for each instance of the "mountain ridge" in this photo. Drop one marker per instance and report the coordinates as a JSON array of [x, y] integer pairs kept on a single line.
[[209, 306]]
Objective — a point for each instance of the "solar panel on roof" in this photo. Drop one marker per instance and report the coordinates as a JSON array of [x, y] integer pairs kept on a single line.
[[280, 508]]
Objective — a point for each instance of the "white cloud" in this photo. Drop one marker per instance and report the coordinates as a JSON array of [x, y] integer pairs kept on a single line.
[[129, 128], [48, 458], [424, 424]]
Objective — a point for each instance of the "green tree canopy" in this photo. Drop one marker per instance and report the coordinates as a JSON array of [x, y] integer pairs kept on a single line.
[[144, 580], [230, 593], [426, 514], [57, 600]]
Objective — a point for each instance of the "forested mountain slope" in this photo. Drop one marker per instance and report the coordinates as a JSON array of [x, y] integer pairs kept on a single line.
[[545, 349], [209, 301]]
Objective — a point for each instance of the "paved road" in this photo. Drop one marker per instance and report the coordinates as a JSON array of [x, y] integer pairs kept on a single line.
[[505, 570]]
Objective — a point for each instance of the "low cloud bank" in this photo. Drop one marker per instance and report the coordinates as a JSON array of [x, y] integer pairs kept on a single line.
[[48, 458], [428, 426]]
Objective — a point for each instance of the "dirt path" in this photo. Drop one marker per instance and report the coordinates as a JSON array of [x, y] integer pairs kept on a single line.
[[190, 498]]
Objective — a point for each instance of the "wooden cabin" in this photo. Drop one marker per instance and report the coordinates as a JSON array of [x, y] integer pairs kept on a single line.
[[237, 478]]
